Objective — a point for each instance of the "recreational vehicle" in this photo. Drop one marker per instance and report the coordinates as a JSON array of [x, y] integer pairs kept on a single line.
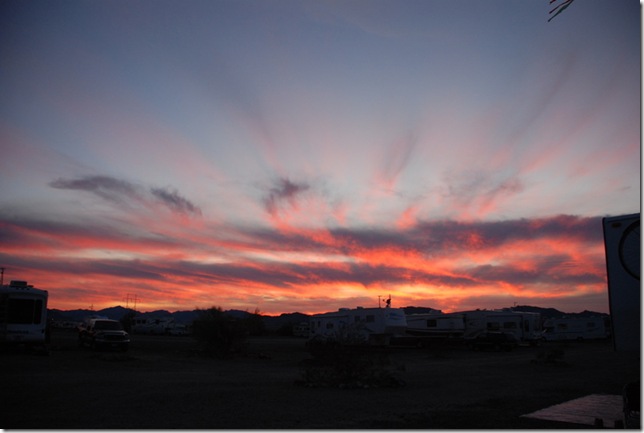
[[525, 326], [152, 325], [575, 328], [360, 325], [436, 325], [466, 325], [23, 314], [302, 329]]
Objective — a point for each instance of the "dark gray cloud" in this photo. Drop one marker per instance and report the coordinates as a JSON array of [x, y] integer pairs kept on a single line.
[[283, 191], [451, 234], [434, 237], [37, 234], [174, 201], [123, 192], [105, 187]]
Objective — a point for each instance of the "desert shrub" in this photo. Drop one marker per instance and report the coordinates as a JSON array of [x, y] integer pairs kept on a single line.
[[285, 330], [343, 366], [219, 335], [127, 320], [550, 355], [254, 324]]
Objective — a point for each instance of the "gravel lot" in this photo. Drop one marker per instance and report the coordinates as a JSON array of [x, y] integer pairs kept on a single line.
[[164, 383]]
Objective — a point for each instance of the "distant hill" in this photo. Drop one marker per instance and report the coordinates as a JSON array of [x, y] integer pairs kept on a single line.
[[273, 323], [420, 310], [554, 313]]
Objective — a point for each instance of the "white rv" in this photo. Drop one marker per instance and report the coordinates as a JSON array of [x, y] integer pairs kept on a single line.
[[575, 328], [359, 325], [436, 325], [23, 314], [302, 329], [525, 326], [152, 325]]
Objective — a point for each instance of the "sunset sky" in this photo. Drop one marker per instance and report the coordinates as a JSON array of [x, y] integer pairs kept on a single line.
[[282, 155]]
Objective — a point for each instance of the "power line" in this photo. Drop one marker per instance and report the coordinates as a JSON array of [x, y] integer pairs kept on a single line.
[[129, 297]]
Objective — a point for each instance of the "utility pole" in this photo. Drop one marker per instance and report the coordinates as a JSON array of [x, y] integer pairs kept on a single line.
[[129, 298], [1, 277]]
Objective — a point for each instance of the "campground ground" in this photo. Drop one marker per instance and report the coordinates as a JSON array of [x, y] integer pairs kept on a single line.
[[163, 382]]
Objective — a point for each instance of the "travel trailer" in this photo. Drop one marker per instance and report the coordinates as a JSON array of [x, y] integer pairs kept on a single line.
[[152, 325], [436, 325], [575, 328], [525, 326], [302, 329], [374, 326], [23, 314]]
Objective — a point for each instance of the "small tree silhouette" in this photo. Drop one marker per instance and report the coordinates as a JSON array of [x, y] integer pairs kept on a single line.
[[255, 323], [219, 335], [127, 320]]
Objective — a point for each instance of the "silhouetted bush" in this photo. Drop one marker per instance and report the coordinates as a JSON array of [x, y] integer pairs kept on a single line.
[[550, 355], [286, 330], [254, 324], [219, 335], [127, 320], [344, 366]]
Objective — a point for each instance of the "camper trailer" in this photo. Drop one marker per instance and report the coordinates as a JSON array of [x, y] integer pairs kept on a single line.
[[152, 325], [302, 329], [436, 326], [525, 326], [575, 328], [375, 326], [23, 314]]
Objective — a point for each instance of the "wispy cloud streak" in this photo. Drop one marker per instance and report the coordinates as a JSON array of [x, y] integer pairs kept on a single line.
[[120, 191]]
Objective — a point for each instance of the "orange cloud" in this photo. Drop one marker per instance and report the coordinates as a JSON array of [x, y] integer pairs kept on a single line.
[[438, 264]]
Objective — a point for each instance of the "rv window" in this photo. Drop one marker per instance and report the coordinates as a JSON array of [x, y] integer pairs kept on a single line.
[[590, 325], [510, 325], [371, 318], [329, 325], [493, 326], [24, 311], [562, 326], [432, 323]]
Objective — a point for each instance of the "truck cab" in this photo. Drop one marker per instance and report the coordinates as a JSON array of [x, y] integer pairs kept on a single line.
[[101, 333]]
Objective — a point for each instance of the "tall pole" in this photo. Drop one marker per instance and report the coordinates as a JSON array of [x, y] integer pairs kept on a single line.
[[1, 276]]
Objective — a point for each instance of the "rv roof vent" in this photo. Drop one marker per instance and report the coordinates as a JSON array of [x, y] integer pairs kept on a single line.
[[359, 308], [343, 309], [17, 283]]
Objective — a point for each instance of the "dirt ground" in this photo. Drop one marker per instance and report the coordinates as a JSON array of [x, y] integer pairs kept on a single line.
[[163, 383]]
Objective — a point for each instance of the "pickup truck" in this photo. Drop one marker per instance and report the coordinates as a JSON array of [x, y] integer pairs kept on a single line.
[[103, 333]]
